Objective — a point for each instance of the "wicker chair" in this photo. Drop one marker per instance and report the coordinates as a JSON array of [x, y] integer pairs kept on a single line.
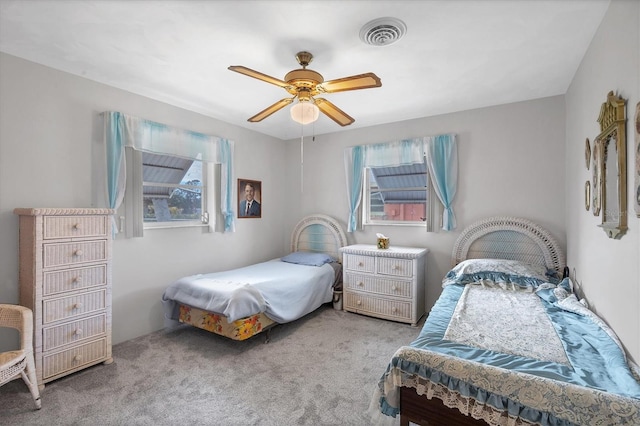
[[19, 362]]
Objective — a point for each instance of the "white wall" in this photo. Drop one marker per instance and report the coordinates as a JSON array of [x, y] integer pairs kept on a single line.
[[607, 270], [49, 136], [511, 162]]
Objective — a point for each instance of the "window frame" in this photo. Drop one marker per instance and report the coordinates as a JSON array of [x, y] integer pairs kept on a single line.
[[431, 205], [133, 203], [204, 216]]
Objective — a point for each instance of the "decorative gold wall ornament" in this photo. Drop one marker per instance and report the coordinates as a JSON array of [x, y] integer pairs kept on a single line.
[[596, 178], [612, 160], [587, 153], [587, 195], [636, 193]]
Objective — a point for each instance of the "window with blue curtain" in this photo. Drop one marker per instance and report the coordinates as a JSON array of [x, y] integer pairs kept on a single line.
[[149, 161], [438, 154]]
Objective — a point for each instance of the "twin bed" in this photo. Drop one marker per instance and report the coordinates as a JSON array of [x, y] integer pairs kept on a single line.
[[243, 302], [508, 343]]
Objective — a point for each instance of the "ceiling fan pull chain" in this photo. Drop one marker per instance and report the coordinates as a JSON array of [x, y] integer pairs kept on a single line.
[[301, 159]]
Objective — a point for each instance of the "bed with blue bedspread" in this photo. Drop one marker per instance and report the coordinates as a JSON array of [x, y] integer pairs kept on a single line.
[[509, 343], [240, 303]]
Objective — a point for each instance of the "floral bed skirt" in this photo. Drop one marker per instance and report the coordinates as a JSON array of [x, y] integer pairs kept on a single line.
[[216, 323]]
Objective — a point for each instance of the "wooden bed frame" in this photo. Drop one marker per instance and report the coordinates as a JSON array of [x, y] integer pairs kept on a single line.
[[314, 233], [493, 238]]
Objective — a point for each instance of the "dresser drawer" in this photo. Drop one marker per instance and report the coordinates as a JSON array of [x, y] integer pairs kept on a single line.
[[74, 279], [366, 304], [75, 226], [378, 285], [395, 267], [87, 328], [62, 254], [359, 263], [73, 306], [74, 358]]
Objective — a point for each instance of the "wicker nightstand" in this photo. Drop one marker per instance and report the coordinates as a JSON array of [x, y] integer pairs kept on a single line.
[[385, 283]]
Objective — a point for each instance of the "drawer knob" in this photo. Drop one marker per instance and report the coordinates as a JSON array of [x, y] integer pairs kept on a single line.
[[76, 226], [76, 280], [360, 263], [77, 305], [360, 283], [78, 332], [77, 358], [394, 309], [396, 267], [359, 303], [394, 287], [77, 252]]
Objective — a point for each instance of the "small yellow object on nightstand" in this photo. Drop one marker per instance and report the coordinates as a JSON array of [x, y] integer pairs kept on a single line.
[[383, 243]]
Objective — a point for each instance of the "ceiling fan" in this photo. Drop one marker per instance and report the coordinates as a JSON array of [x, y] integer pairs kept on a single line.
[[305, 84]]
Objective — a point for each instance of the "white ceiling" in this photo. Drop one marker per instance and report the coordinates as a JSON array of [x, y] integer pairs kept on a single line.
[[455, 56]]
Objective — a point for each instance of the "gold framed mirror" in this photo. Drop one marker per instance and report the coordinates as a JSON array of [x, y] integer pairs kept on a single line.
[[612, 160]]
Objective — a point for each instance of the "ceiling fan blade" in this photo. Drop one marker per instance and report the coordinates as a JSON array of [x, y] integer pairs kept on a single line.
[[333, 112], [271, 109], [259, 75], [355, 82]]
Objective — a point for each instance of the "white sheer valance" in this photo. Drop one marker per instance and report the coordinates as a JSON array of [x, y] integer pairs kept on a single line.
[[145, 135], [122, 131], [442, 161]]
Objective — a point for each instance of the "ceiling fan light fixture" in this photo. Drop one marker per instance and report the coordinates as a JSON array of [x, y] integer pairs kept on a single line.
[[304, 112]]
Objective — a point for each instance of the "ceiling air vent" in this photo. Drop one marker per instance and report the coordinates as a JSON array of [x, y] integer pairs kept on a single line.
[[383, 31]]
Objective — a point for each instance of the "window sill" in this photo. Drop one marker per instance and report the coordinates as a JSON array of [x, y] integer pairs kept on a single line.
[[174, 225], [414, 224]]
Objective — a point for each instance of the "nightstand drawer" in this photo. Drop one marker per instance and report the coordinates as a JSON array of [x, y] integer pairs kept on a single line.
[[74, 358], [377, 285], [74, 279], [359, 263], [371, 305], [87, 328], [73, 253], [75, 226], [395, 267], [73, 306]]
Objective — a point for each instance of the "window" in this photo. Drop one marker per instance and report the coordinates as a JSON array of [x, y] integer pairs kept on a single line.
[[145, 196], [172, 191], [396, 195], [165, 191]]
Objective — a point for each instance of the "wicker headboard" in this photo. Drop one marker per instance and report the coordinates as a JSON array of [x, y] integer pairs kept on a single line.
[[509, 238], [319, 233]]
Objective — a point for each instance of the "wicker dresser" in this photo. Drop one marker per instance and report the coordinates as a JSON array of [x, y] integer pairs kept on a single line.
[[385, 283], [65, 278]]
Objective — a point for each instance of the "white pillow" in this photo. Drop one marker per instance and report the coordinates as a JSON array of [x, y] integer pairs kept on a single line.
[[498, 270]]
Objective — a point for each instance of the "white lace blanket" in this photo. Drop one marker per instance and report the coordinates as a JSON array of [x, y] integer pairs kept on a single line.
[[484, 318]]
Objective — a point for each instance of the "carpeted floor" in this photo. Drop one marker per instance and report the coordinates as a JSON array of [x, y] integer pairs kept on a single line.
[[319, 370]]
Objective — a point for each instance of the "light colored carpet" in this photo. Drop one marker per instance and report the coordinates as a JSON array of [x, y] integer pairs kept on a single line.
[[319, 370]]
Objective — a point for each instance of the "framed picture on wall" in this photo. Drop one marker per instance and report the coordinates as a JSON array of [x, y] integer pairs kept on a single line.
[[249, 199]]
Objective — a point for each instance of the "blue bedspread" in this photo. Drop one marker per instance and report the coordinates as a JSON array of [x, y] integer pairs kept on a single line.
[[283, 291], [596, 386]]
